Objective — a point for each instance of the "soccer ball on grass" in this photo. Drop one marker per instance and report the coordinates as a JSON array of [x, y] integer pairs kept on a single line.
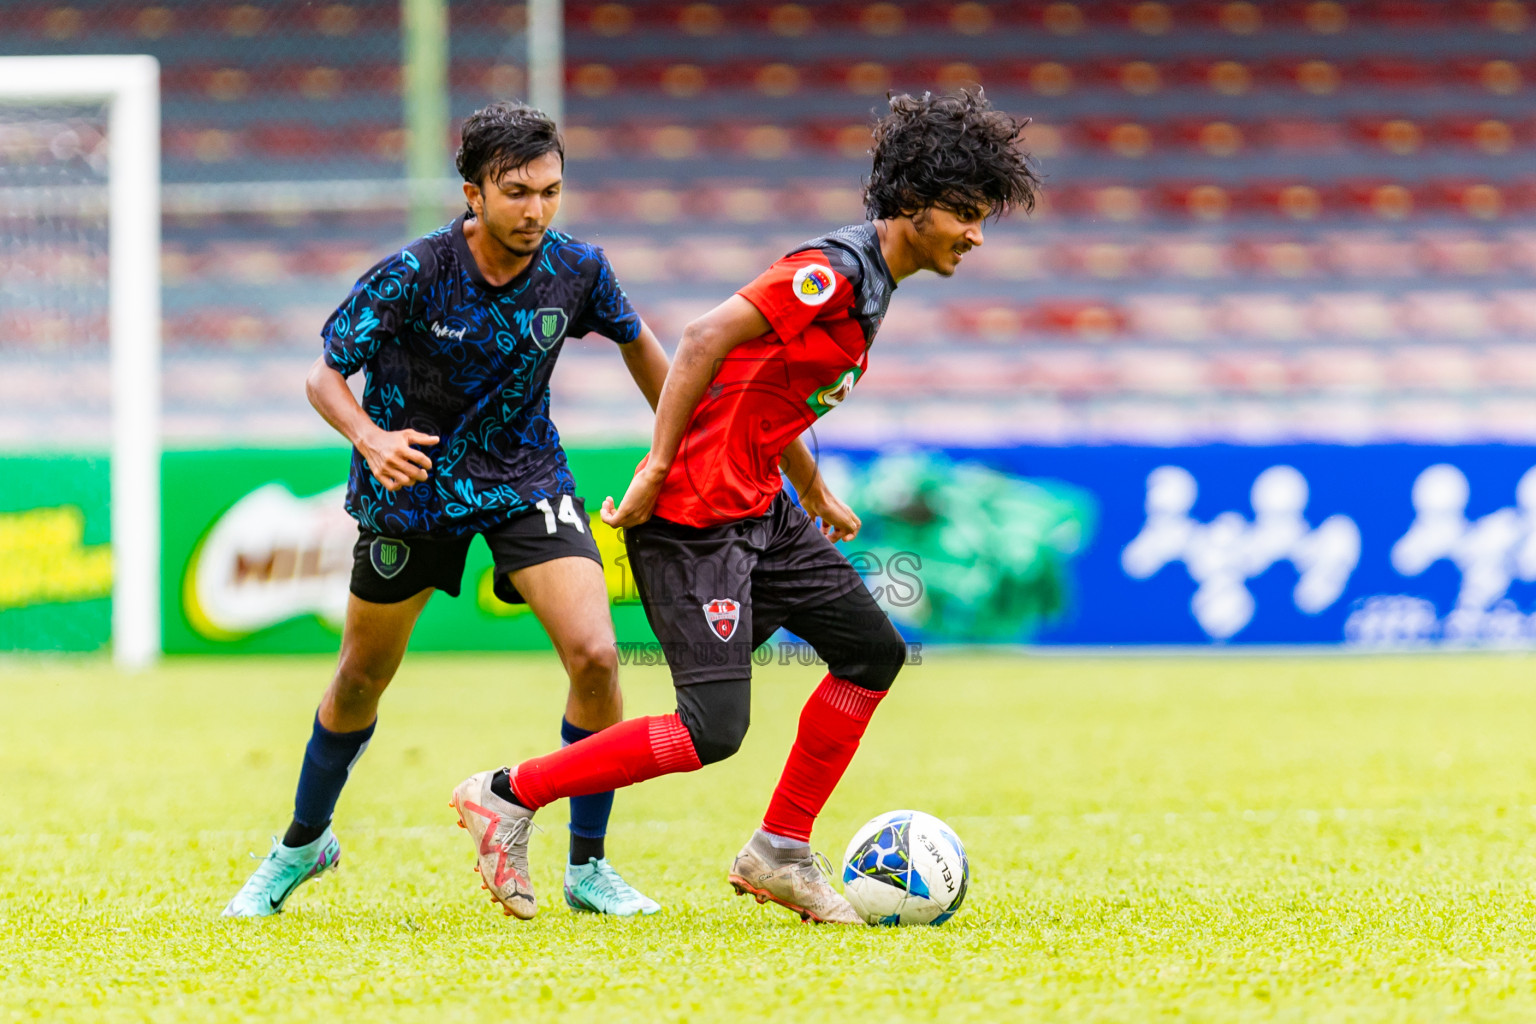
[[905, 867]]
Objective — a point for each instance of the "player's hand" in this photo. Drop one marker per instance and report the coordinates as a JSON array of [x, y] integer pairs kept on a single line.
[[836, 520], [639, 500], [391, 458]]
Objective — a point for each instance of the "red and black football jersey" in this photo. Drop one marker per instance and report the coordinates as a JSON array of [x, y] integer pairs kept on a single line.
[[825, 301]]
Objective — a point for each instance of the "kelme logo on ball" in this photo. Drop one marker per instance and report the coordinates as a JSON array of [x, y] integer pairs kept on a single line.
[[813, 285], [723, 614], [388, 556], [548, 326]]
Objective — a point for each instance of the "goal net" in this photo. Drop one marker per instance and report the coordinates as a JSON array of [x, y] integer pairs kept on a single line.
[[80, 349]]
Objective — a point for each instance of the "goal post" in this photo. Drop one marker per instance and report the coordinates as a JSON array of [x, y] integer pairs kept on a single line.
[[130, 87]]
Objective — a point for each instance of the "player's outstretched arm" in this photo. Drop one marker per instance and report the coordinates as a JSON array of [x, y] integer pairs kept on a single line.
[[705, 342], [390, 457], [646, 361]]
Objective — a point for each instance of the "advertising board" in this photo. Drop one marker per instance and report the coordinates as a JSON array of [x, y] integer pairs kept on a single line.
[[1380, 546], [258, 554], [55, 553], [1374, 546]]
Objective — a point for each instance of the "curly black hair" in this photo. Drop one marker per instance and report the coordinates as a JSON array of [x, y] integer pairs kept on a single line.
[[504, 136], [954, 151]]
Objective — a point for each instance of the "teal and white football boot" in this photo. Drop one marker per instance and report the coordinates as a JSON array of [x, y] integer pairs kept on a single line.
[[597, 888], [280, 873]]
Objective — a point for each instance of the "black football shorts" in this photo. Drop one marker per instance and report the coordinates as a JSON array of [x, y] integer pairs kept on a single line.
[[386, 570], [713, 594]]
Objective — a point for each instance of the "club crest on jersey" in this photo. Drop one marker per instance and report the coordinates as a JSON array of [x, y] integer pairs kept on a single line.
[[813, 284], [723, 614], [548, 326], [388, 556]]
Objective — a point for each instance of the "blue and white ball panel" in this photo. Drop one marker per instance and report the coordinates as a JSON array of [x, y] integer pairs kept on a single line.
[[905, 867]]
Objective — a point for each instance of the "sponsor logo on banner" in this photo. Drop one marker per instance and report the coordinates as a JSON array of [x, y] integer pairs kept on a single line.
[[1224, 554], [44, 560], [813, 285], [723, 614], [1490, 553], [274, 556]]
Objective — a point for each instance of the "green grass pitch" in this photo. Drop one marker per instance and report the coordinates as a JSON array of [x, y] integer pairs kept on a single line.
[[1224, 839]]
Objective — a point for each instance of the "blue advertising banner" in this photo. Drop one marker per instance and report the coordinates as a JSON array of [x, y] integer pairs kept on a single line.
[[1370, 546]]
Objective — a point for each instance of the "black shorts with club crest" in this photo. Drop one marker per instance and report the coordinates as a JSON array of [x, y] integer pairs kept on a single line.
[[714, 594], [386, 570]]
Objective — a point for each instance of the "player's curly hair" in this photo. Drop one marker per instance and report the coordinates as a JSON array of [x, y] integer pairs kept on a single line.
[[954, 151], [503, 136]]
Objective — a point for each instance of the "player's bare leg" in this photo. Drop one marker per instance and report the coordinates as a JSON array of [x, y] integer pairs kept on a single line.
[[570, 598], [373, 643]]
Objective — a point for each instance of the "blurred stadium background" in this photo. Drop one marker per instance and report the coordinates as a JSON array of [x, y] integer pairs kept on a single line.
[[1264, 223], [1299, 220]]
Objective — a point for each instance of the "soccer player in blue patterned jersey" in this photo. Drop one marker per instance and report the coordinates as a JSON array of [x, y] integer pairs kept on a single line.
[[457, 334]]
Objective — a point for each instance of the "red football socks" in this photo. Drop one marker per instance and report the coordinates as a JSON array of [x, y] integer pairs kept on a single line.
[[620, 755], [831, 726]]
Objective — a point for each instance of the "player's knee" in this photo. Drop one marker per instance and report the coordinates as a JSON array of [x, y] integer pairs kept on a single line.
[[718, 740], [357, 682], [717, 716], [877, 661], [593, 667]]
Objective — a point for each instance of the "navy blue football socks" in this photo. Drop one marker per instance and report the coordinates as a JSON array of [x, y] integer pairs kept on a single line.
[[328, 760], [589, 814]]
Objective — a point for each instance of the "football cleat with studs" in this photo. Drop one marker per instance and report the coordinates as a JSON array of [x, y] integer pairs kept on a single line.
[[597, 888], [499, 830], [282, 871], [802, 886]]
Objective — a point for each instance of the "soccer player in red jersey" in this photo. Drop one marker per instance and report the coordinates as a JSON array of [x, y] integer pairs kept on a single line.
[[722, 558]]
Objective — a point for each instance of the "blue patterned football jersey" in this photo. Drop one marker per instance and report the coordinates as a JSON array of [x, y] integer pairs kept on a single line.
[[450, 355]]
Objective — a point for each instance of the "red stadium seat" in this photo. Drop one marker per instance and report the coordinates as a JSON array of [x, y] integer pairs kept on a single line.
[[1202, 201], [1083, 319], [1386, 200], [1279, 257], [1417, 15], [1398, 72]]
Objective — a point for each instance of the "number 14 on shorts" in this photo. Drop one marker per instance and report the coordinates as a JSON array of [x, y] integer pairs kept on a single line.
[[567, 514]]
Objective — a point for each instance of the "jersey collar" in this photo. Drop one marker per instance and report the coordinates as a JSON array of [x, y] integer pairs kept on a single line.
[[461, 246]]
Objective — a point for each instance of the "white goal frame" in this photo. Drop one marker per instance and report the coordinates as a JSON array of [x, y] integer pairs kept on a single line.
[[130, 86]]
